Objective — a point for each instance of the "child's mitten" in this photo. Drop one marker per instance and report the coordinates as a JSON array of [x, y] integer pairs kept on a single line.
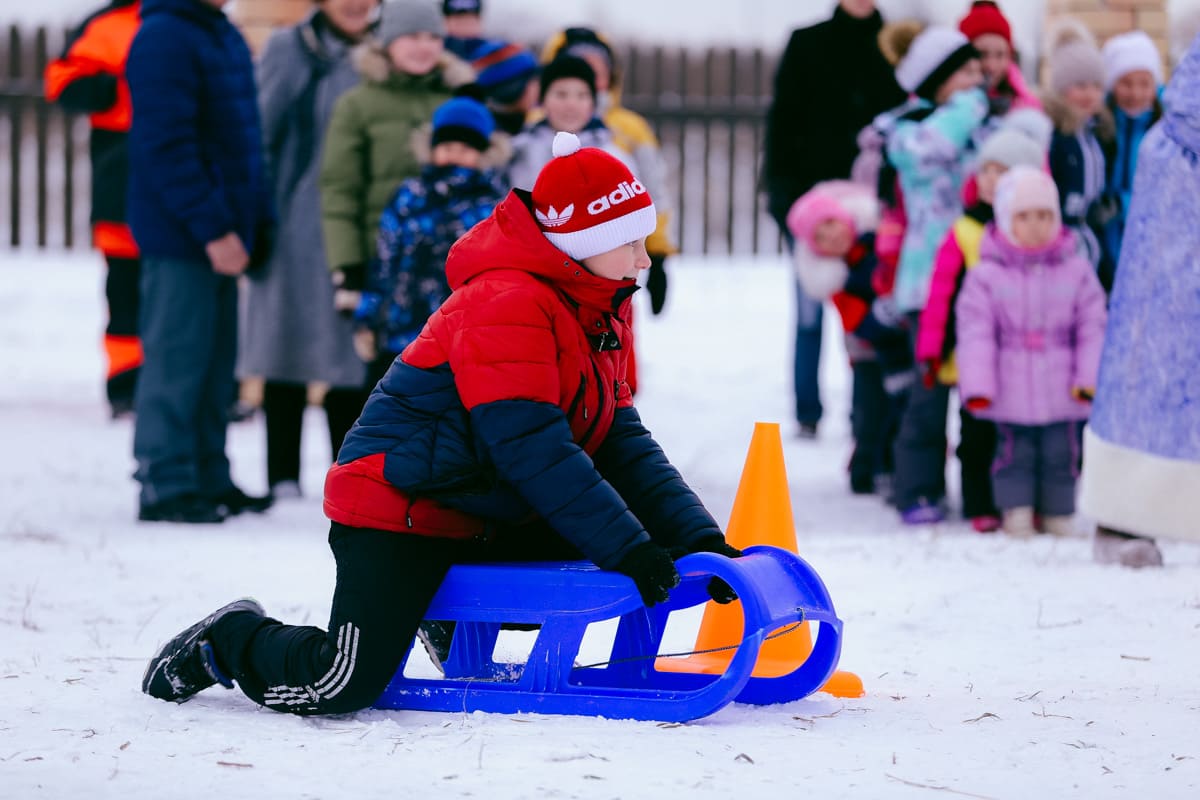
[[652, 570], [718, 590]]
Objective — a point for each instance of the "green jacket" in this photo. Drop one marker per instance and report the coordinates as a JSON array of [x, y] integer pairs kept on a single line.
[[370, 148]]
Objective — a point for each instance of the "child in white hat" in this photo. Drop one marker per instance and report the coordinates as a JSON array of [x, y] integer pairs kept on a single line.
[[1133, 76]]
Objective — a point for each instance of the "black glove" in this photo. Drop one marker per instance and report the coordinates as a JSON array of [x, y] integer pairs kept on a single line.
[[652, 570], [656, 283], [720, 591]]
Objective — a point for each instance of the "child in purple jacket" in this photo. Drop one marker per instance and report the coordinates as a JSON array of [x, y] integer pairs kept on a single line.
[[1030, 323]]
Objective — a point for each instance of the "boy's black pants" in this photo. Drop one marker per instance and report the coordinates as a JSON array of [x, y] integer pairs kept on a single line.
[[385, 581]]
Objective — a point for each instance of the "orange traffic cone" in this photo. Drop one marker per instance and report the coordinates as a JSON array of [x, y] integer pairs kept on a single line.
[[762, 514]]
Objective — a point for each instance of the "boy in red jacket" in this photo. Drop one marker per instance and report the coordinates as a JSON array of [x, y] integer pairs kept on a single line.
[[505, 432]]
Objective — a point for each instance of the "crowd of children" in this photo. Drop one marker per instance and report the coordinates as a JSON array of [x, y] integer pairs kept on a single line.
[[978, 239]]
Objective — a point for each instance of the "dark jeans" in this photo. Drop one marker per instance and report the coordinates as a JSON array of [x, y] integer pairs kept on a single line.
[[1036, 465], [920, 449], [874, 418], [283, 409], [189, 338], [385, 582], [120, 336], [976, 450], [809, 314]]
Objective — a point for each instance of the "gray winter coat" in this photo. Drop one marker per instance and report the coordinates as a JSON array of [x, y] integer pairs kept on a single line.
[[290, 331]]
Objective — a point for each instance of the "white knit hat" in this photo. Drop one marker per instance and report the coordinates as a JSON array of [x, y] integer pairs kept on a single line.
[[1012, 147], [587, 202], [935, 55], [1130, 52]]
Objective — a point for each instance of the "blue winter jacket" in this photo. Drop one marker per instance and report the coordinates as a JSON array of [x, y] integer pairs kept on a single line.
[[407, 279], [195, 147], [1129, 133]]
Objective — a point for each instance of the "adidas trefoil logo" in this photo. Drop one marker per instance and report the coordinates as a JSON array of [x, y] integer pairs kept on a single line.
[[553, 218]]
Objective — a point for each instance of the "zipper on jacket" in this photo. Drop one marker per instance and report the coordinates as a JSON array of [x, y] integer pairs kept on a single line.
[[578, 398], [599, 408]]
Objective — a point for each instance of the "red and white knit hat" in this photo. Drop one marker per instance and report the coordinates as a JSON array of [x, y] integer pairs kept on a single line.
[[587, 202]]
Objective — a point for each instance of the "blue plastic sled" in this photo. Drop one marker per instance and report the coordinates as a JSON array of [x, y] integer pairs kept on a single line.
[[777, 589]]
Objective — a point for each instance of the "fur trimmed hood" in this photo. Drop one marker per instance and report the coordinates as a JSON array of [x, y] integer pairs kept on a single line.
[[372, 62], [1065, 122], [823, 276]]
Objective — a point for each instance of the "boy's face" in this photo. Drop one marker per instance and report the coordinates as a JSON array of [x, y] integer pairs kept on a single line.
[[968, 76], [987, 178], [1134, 92], [456, 154], [833, 237], [1034, 228], [620, 264], [416, 53], [568, 104], [1084, 99], [995, 57]]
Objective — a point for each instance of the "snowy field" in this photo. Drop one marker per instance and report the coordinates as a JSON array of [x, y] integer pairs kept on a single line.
[[994, 668]]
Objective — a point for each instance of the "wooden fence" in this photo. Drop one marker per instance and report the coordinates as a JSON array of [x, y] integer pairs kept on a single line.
[[707, 107]]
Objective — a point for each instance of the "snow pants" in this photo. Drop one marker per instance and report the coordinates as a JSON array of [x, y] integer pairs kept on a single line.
[[874, 417], [385, 581], [122, 348], [920, 450], [976, 451], [1036, 465]]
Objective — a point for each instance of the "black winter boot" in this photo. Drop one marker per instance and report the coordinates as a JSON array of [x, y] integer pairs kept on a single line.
[[186, 664]]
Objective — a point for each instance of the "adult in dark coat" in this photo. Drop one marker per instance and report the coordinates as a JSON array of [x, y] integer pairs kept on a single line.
[[198, 207], [292, 335], [832, 81]]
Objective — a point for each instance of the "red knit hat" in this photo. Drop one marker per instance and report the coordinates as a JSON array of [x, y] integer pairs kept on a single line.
[[587, 202], [985, 17]]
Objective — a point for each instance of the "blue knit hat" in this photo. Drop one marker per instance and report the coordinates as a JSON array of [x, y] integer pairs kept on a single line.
[[463, 119], [504, 70]]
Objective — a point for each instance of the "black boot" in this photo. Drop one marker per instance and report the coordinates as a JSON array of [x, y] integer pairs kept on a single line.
[[186, 664], [234, 501], [187, 508]]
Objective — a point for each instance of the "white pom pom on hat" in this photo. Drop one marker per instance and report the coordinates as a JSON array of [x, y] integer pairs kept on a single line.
[[587, 202], [565, 144]]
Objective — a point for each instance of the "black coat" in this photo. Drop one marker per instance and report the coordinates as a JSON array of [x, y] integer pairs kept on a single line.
[[832, 81]]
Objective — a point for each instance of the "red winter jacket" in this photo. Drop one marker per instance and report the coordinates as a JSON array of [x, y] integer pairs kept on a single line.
[[512, 403]]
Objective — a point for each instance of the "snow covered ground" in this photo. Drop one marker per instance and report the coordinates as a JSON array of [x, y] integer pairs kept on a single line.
[[994, 668]]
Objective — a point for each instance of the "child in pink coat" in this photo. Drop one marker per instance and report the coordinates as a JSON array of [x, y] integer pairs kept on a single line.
[[1008, 147], [1030, 324]]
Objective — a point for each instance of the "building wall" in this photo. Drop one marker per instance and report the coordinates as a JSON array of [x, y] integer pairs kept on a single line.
[[1109, 17]]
